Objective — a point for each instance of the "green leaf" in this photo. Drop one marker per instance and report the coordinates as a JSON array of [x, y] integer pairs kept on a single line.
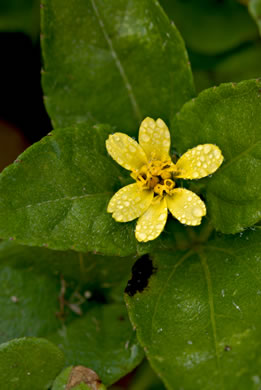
[[20, 16], [199, 319], [56, 195], [254, 7], [112, 62], [102, 340], [28, 305], [211, 27], [29, 363], [229, 116]]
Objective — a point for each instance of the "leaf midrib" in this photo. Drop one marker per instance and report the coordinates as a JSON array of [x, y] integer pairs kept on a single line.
[[119, 66], [105, 194]]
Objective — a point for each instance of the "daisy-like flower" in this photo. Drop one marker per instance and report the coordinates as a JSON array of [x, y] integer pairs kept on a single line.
[[154, 192]]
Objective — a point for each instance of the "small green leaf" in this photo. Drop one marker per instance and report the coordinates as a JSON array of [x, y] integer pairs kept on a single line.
[[211, 27], [102, 340], [230, 117], [126, 54], [56, 195], [29, 363], [199, 319], [254, 7]]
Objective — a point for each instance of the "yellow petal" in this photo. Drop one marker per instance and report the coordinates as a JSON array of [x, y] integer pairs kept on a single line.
[[154, 138], [186, 206], [199, 162], [129, 203], [152, 222], [126, 151]]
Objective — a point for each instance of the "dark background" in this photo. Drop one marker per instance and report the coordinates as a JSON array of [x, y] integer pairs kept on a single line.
[[23, 119]]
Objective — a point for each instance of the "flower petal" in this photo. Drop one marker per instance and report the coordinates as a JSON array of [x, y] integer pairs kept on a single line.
[[152, 222], [129, 203], [186, 206], [199, 162], [126, 151], [154, 138]]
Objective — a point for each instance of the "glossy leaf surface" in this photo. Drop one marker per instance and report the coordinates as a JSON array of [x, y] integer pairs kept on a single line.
[[125, 53], [199, 319], [230, 117]]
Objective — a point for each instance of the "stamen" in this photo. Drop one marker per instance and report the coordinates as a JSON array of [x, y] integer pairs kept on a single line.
[[158, 189], [169, 184], [165, 175]]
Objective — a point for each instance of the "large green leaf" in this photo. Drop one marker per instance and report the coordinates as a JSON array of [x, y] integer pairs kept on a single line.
[[102, 340], [211, 27], [29, 363], [229, 116], [56, 195], [112, 61], [199, 319], [254, 7]]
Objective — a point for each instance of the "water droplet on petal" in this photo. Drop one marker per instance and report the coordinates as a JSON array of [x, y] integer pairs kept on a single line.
[[145, 138], [207, 149], [142, 236], [197, 212]]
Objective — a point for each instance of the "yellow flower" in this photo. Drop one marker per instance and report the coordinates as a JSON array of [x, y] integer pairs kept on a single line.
[[154, 192]]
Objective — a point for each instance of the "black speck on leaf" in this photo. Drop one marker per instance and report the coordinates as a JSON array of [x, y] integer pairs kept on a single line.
[[141, 272], [227, 348]]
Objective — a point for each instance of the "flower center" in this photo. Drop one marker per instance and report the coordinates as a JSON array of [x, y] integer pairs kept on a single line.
[[157, 176]]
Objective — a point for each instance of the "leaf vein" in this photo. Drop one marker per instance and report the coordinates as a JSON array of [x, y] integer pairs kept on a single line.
[[118, 64], [65, 198], [175, 267], [205, 267]]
